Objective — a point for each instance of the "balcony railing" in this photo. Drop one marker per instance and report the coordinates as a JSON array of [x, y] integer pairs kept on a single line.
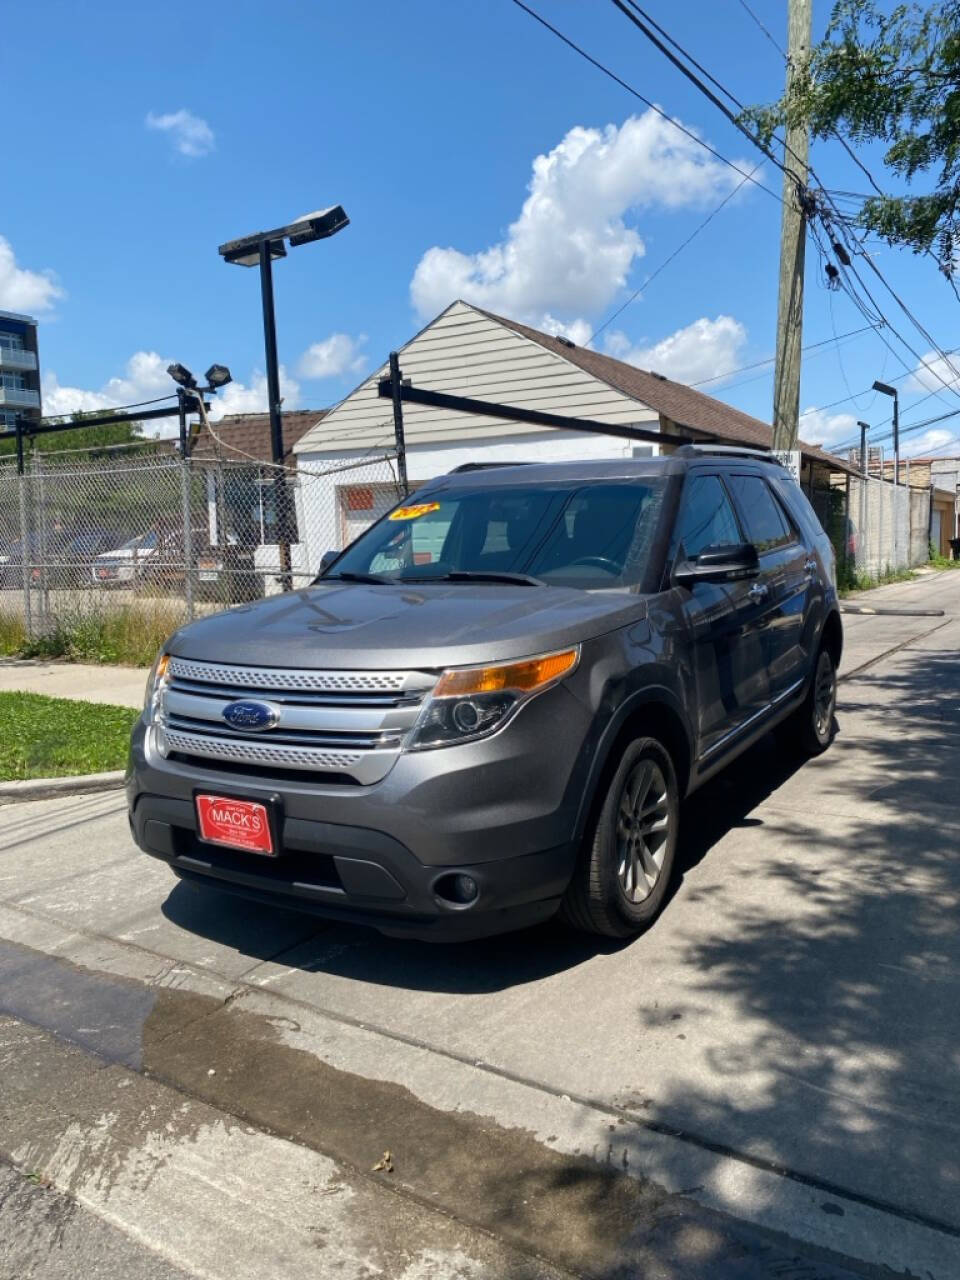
[[22, 361], [19, 398]]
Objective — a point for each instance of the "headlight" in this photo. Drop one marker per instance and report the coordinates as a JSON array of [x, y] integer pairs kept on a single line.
[[156, 682], [471, 702]]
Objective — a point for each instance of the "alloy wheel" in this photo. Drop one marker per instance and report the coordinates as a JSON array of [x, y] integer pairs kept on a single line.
[[643, 827], [824, 695]]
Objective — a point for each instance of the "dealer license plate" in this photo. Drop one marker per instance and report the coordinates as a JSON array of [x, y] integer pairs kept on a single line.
[[236, 824]]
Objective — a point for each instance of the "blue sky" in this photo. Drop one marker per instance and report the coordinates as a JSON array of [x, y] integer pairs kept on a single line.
[[152, 136]]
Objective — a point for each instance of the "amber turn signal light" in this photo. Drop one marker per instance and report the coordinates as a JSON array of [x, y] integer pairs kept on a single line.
[[524, 677]]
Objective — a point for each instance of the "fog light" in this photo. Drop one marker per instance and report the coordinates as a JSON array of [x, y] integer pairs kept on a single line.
[[457, 889]]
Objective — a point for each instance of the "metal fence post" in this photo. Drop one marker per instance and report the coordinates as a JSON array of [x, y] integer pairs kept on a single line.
[[22, 482], [185, 496]]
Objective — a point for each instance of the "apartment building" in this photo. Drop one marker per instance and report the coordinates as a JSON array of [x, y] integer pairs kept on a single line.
[[19, 369]]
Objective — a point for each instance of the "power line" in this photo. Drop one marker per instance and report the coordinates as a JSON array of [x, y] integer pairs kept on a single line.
[[757, 364], [728, 114], [646, 101], [679, 249], [641, 24], [764, 29]]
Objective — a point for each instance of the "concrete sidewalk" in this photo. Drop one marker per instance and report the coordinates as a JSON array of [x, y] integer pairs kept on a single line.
[[118, 686]]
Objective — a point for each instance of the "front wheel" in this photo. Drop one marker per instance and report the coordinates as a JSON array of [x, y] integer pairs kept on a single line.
[[626, 864]]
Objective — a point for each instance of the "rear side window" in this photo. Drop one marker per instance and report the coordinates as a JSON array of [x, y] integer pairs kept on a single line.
[[798, 504], [763, 516], [706, 517]]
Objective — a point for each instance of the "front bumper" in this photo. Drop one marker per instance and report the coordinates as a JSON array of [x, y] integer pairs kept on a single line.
[[502, 810]]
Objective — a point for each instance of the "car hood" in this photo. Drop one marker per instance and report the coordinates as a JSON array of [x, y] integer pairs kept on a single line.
[[348, 625], [119, 554]]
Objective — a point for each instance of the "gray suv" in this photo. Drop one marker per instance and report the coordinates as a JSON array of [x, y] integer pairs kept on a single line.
[[489, 707]]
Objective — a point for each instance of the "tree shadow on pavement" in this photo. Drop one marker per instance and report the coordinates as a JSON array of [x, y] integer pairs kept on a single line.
[[846, 1004]]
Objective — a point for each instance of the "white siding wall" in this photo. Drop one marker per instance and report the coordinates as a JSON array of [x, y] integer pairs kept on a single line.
[[466, 353], [321, 527]]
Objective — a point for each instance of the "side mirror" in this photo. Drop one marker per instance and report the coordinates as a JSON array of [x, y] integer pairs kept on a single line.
[[326, 560], [719, 564]]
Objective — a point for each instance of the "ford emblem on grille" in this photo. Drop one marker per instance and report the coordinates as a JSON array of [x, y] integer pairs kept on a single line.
[[250, 717]]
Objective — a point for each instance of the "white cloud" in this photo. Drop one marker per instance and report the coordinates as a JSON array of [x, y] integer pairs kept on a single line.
[[579, 331], [145, 377], [191, 135], [571, 249], [237, 397], [926, 443], [933, 372], [703, 349], [34, 292], [332, 357], [818, 427]]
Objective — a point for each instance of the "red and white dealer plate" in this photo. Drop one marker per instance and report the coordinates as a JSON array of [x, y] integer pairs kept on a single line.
[[237, 824]]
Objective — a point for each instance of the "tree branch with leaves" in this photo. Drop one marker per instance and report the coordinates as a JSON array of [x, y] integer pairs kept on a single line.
[[890, 77]]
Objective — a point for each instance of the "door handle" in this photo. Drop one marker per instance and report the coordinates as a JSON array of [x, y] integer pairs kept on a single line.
[[758, 592], [810, 566]]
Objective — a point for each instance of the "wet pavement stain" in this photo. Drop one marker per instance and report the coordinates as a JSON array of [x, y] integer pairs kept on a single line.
[[590, 1218]]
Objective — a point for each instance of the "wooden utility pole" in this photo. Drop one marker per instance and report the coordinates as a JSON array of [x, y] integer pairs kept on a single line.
[[793, 237]]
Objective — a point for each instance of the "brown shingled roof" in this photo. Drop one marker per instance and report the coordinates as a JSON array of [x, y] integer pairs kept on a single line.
[[246, 436], [681, 404]]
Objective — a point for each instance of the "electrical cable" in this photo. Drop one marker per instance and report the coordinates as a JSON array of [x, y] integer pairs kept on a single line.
[[646, 101], [764, 29], [676, 253], [641, 24]]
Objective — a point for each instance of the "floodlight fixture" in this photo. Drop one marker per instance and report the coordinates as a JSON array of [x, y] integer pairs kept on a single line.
[[218, 375], [319, 225], [181, 375]]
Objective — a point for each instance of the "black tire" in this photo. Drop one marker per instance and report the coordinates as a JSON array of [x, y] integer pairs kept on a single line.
[[599, 898], [812, 726]]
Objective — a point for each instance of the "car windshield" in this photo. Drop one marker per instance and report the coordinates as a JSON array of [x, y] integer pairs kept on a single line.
[[583, 535], [145, 542]]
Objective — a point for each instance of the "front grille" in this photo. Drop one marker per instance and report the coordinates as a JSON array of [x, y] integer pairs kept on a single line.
[[346, 724], [280, 678]]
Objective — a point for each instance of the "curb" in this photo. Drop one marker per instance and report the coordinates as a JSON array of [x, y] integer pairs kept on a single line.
[[48, 788]]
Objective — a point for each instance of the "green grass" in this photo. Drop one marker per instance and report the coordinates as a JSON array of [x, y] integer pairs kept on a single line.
[[125, 635], [43, 737], [849, 581]]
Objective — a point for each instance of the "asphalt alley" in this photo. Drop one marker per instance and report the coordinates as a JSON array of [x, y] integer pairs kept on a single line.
[[768, 1074]]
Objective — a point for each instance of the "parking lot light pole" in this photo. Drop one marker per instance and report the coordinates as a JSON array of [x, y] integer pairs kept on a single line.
[[259, 249], [885, 389], [189, 396]]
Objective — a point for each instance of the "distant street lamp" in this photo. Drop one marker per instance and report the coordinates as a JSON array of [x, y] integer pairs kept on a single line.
[[259, 249], [885, 389], [864, 428]]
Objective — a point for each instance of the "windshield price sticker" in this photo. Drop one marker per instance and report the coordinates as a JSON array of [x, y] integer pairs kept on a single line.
[[414, 512]]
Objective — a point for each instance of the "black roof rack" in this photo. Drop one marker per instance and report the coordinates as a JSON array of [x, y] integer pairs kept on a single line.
[[484, 466], [725, 450]]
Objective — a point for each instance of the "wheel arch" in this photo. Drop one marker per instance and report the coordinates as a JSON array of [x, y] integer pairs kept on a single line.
[[832, 636], [653, 713]]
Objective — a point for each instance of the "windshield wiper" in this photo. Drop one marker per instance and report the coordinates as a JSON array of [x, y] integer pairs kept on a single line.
[[482, 575], [347, 575]]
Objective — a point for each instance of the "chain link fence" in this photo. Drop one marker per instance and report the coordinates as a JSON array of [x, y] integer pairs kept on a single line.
[[876, 527], [179, 537]]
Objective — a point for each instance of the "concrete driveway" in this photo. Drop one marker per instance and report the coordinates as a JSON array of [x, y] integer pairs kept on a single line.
[[772, 1071]]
